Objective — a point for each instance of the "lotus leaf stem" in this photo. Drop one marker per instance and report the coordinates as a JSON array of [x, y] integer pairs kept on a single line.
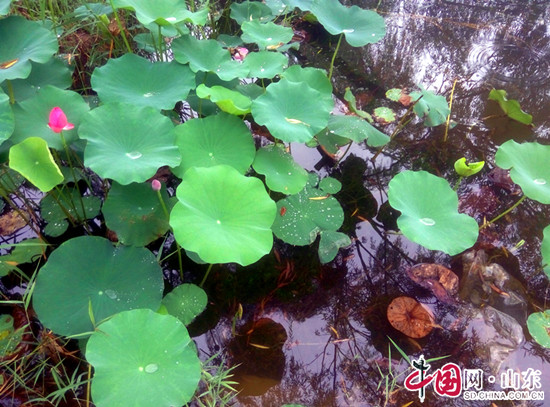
[[334, 57], [68, 152], [510, 209], [206, 275], [458, 183], [449, 115], [121, 28], [10, 92]]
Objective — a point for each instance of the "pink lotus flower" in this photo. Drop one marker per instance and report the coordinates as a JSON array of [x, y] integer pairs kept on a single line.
[[156, 185], [240, 53], [58, 121]]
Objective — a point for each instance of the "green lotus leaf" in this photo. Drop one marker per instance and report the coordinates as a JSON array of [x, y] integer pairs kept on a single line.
[[135, 80], [32, 115], [545, 251], [207, 56], [330, 185], [214, 140], [4, 7], [265, 64], [53, 72], [251, 90], [432, 108], [23, 41], [229, 101], [429, 212], [24, 252], [330, 141], [87, 275], [466, 169], [134, 212], [301, 217], [185, 302], [357, 129], [142, 359], [267, 35], [292, 111], [360, 27], [91, 10], [278, 7], [250, 10], [538, 324], [511, 107], [10, 338], [352, 103], [330, 243], [316, 78], [282, 173], [33, 160], [7, 121], [386, 114], [394, 94], [163, 12], [304, 5], [74, 206], [528, 164], [120, 143], [223, 216], [229, 41]]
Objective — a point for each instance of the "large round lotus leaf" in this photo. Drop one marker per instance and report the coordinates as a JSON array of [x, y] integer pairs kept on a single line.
[[361, 27], [302, 216], [87, 275], [135, 80], [7, 122], [223, 216], [142, 359], [545, 250], [54, 72], [214, 140], [266, 35], [316, 78], [250, 10], [357, 129], [330, 243], [163, 12], [292, 111], [135, 213], [32, 115], [23, 41], [32, 159], [185, 302], [128, 143], [429, 212], [538, 324], [528, 164], [207, 56], [282, 174], [265, 64], [229, 101]]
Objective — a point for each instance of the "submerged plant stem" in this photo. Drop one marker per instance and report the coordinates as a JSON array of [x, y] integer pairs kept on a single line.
[[510, 209], [334, 57], [206, 275]]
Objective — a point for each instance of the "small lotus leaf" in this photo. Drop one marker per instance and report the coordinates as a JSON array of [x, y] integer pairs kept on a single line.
[[24, 252], [214, 140], [53, 72], [250, 10], [75, 206], [302, 216], [360, 27], [134, 212], [120, 143], [88, 275], [223, 216], [292, 111], [31, 115], [429, 212], [229, 101], [265, 64], [282, 174], [357, 129], [267, 35], [91, 10], [135, 80], [352, 103], [23, 41], [185, 302], [466, 169], [316, 78], [409, 316], [394, 94], [528, 164], [142, 359], [511, 107], [163, 12], [545, 251], [4, 7], [384, 114], [10, 338], [432, 108], [7, 121], [330, 185], [330, 243], [32, 159], [330, 141], [538, 324]]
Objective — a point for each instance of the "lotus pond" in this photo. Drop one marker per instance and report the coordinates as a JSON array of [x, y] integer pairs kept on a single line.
[[287, 202]]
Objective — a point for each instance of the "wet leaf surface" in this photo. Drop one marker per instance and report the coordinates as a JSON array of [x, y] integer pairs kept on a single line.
[[437, 278], [408, 316]]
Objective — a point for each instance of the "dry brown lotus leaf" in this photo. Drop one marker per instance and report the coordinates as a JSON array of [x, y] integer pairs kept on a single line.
[[439, 279], [408, 316], [11, 222]]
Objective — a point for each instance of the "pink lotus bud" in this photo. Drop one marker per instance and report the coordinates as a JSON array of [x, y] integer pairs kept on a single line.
[[240, 53], [58, 121], [156, 185]]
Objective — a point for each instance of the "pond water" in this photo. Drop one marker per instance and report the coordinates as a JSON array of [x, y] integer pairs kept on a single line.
[[318, 335]]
